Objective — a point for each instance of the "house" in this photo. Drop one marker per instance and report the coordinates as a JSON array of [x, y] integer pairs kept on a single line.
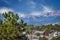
[[53, 34], [46, 34], [40, 33]]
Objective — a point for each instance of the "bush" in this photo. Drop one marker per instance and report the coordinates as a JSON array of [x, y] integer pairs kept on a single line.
[[42, 38]]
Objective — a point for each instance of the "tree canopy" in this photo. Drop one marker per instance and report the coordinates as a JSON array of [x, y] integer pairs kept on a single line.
[[10, 29]]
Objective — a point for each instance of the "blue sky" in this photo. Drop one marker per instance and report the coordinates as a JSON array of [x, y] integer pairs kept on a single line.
[[33, 11]]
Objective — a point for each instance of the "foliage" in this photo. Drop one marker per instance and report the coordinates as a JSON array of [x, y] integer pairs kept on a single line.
[[48, 27], [29, 29], [54, 38], [58, 38], [37, 33], [42, 38], [10, 29]]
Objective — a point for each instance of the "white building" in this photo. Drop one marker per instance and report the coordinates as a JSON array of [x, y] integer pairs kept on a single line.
[[41, 33], [53, 34]]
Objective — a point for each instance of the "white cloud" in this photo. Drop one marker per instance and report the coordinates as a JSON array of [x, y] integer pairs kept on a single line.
[[21, 15], [46, 9], [46, 12], [32, 15], [38, 14], [56, 13], [4, 9], [35, 14], [31, 4], [6, 1]]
